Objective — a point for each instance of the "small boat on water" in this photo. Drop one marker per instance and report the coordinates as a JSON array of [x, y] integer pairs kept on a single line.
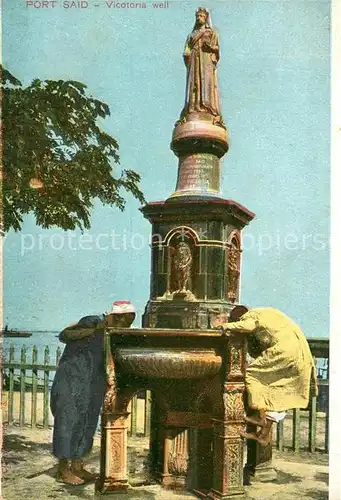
[[6, 332]]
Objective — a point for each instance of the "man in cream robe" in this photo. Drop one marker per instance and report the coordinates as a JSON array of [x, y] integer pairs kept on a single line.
[[282, 374]]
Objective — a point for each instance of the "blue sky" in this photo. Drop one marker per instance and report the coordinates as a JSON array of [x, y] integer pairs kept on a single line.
[[275, 94]]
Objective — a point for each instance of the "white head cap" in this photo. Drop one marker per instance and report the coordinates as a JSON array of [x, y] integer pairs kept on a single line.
[[122, 307]]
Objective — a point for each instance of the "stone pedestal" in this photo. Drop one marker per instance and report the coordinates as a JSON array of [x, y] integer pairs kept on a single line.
[[199, 145], [227, 475], [228, 470], [113, 466], [196, 257]]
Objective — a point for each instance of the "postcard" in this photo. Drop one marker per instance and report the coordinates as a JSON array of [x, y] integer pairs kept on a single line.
[[165, 162]]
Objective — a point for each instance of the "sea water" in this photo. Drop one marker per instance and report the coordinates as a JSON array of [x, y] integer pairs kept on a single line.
[[40, 339]]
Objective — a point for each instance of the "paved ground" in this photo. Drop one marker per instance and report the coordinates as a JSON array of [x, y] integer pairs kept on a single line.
[[30, 470]]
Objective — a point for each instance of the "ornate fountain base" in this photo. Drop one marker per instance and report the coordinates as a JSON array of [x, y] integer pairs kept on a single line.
[[197, 382]]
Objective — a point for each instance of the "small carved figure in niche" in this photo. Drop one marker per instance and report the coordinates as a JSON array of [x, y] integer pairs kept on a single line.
[[233, 273], [182, 266], [201, 56]]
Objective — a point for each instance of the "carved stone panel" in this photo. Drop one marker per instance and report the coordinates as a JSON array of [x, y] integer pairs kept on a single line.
[[233, 403], [110, 393], [111, 385], [234, 459], [235, 359], [234, 430], [116, 453]]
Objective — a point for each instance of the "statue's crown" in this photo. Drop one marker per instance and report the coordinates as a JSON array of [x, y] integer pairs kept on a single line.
[[201, 9]]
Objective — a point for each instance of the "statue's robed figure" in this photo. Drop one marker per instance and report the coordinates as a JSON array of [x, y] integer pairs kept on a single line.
[[201, 56]]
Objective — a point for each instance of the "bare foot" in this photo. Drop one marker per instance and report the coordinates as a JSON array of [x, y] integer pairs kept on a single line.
[[256, 437], [86, 475], [77, 467], [264, 441], [255, 421], [68, 477]]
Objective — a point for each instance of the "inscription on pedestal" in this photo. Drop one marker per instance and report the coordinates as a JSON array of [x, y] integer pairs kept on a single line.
[[200, 173]]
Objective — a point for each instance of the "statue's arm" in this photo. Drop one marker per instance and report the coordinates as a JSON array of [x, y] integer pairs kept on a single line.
[[187, 52], [212, 46]]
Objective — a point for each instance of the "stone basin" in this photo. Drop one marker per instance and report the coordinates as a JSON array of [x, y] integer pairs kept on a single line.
[[168, 362]]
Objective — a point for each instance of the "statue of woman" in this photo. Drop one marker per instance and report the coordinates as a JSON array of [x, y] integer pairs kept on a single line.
[[201, 56], [182, 266]]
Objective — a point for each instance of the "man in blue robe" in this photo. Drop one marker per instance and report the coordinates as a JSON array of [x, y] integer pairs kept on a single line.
[[78, 390]]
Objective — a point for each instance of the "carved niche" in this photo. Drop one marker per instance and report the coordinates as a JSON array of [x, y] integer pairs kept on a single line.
[[182, 267], [233, 267], [181, 263]]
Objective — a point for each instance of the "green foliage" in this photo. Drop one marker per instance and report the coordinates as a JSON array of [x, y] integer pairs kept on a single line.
[[50, 134]]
